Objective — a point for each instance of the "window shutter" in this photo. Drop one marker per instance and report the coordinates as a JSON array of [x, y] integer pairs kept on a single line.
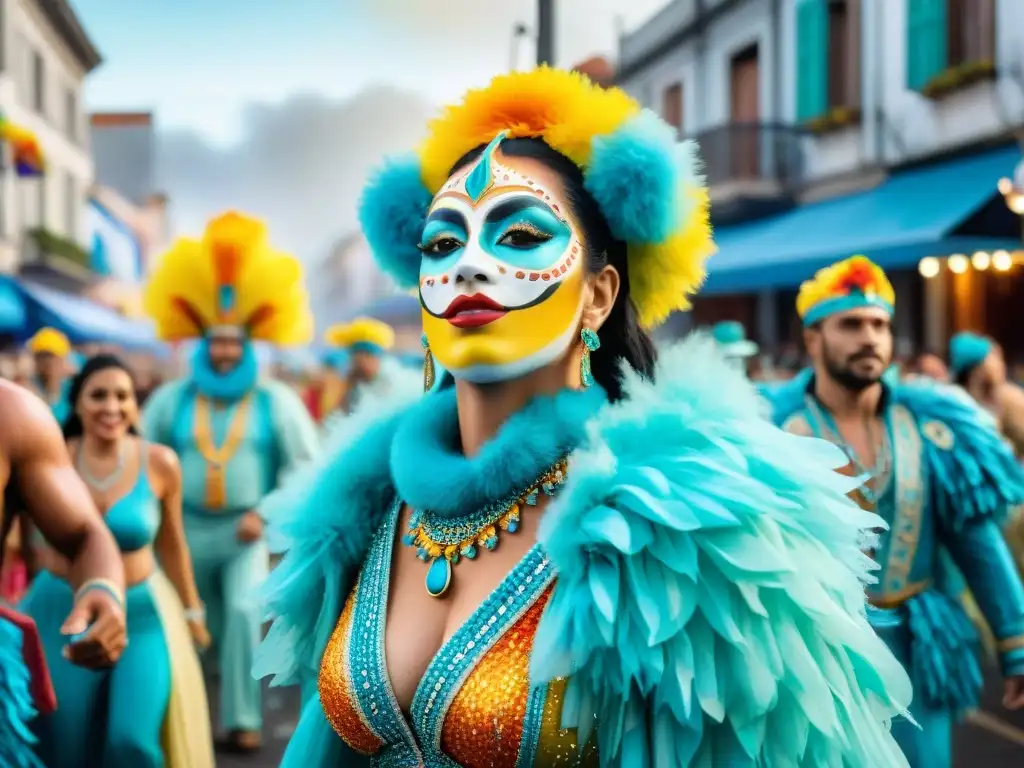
[[926, 41], [811, 59]]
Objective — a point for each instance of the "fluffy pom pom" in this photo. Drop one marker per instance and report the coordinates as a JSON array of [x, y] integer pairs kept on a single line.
[[639, 178], [391, 213]]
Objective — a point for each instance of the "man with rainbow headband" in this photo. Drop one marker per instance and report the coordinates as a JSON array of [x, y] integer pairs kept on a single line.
[[942, 479], [236, 434], [573, 549], [51, 351]]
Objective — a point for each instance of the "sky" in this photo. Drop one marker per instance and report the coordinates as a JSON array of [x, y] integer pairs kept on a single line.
[[281, 107]]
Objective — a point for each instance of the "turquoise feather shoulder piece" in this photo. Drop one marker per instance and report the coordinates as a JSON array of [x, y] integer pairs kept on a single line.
[[977, 472], [323, 520], [786, 397], [710, 607], [17, 742]]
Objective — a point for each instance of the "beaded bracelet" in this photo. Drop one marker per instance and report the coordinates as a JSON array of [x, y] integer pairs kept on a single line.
[[103, 585]]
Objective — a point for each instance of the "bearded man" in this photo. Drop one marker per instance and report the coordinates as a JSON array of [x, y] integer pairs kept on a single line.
[[940, 476]]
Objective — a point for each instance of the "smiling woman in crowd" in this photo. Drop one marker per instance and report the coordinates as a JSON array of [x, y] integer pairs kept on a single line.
[[121, 713]]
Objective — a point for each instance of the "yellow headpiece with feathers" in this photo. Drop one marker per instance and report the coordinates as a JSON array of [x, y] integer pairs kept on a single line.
[[231, 279], [364, 334], [49, 341], [646, 182], [849, 284]]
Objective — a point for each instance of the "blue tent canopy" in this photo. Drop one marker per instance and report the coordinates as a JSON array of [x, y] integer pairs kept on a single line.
[[913, 214], [81, 320]]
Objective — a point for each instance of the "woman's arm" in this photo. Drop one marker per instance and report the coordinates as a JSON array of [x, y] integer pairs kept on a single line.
[[171, 549]]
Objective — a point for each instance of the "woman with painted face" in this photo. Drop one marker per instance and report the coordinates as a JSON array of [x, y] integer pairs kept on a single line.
[[567, 552], [117, 717]]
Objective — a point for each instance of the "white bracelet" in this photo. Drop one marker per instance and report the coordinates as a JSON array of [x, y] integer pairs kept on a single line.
[[195, 614]]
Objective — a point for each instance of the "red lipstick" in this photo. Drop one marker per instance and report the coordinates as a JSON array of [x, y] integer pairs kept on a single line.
[[473, 311]]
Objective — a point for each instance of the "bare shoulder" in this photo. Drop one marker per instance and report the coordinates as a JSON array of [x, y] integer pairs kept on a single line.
[[29, 425], [164, 461]]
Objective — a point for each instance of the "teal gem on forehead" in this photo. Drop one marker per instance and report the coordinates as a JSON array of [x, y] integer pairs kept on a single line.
[[481, 177]]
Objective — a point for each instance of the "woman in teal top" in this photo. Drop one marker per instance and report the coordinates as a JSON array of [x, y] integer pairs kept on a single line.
[[117, 717]]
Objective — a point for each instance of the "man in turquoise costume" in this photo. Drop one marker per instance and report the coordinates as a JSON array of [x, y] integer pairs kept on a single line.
[[731, 338], [237, 435], [52, 353], [941, 478]]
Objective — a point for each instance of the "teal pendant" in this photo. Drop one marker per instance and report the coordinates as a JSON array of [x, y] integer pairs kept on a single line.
[[439, 576]]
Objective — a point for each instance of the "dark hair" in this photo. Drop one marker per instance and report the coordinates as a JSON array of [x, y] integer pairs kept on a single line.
[[73, 423], [622, 338]]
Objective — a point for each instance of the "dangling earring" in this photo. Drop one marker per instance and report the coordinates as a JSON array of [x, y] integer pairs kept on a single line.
[[428, 365], [591, 343]]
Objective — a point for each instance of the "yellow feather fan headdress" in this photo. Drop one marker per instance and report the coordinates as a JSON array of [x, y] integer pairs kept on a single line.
[[365, 334], [646, 182], [231, 278]]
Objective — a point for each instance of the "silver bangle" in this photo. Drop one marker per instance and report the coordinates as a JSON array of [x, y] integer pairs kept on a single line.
[[195, 614]]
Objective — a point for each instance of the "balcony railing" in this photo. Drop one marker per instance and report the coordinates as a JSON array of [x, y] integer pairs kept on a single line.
[[754, 152]]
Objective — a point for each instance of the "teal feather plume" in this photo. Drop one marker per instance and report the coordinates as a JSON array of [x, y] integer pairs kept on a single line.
[[17, 708], [977, 472], [710, 605]]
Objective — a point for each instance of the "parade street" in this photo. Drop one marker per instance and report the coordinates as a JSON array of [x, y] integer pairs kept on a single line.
[[993, 737]]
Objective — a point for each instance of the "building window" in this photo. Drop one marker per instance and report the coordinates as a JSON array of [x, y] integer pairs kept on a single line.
[[672, 106], [71, 114], [970, 31], [70, 207], [38, 83], [43, 207], [946, 34], [843, 54]]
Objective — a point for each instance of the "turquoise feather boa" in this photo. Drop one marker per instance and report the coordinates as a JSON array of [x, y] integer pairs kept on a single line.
[[16, 707], [709, 608]]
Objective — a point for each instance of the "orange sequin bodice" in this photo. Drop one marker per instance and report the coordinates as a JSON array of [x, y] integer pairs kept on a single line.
[[474, 706]]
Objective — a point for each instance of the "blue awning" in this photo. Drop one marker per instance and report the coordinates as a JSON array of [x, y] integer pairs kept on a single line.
[[81, 320], [12, 307], [911, 215]]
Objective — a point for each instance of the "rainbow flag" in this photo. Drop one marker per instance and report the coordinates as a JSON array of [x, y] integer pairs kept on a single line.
[[25, 149]]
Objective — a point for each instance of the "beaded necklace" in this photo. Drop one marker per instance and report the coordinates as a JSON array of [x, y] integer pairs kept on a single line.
[[443, 541], [879, 474], [218, 456]]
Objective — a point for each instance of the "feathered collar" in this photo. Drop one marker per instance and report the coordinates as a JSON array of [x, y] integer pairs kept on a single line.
[[430, 471]]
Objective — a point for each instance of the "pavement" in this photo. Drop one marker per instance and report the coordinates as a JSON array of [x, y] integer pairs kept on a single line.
[[991, 738]]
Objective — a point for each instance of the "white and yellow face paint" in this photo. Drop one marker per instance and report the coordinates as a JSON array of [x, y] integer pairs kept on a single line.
[[502, 274]]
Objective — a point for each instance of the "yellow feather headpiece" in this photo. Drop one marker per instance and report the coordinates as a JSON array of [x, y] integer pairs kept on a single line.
[[49, 341], [362, 334], [849, 284], [230, 278], [647, 184]]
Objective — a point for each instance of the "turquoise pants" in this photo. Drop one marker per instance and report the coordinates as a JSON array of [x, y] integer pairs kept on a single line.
[[931, 745], [111, 718], [228, 576]]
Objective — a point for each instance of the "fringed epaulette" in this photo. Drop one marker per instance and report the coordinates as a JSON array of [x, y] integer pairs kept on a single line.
[[323, 519], [710, 607], [977, 472]]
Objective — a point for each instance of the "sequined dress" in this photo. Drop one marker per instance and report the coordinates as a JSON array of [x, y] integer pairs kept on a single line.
[[473, 707]]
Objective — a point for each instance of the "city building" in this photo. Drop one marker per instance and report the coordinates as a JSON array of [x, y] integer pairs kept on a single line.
[[345, 281], [832, 127], [45, 56], [124, 150]]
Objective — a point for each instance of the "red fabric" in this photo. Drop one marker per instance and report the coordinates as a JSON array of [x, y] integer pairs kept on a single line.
[[41, 684], [311, 397]]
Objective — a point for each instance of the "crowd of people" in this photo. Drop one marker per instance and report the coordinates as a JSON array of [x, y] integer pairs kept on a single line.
[[555, 544]]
